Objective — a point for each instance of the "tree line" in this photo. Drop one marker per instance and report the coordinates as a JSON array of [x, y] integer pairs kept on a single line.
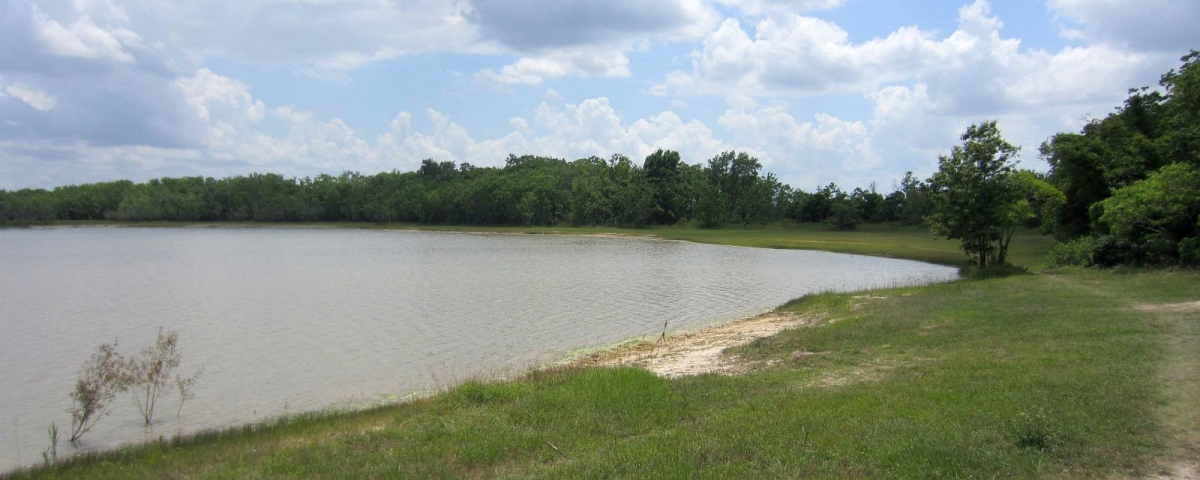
[[1124, 190], [730, 189]]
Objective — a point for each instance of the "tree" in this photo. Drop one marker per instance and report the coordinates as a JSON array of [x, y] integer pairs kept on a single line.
[[148, 375], [662, 170], [100, 379], [1156, 218], [973, 194]]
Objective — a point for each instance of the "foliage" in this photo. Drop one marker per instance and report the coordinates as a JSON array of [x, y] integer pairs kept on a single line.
[[1157, 217], [186, 387], [974, 195], [100, 379], [149, 375], [1152, 131], [529, 190], [1079, 252], [50, 454]]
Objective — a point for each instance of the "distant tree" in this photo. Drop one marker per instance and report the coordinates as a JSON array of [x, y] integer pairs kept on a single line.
[[914, 203], [973, 194], [662, 170]]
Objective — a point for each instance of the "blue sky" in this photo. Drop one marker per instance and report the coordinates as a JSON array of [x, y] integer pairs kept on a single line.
[[821, 91]]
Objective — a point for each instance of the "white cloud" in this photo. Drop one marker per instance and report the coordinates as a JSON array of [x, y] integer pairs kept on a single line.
[[806, 151], [1155, 25], [83, 38], [973, 69], [34, 98], [604, 63]]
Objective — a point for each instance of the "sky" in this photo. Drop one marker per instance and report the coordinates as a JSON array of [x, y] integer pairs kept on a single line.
[[852, 92]]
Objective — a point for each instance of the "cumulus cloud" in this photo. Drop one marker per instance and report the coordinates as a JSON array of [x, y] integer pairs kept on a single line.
[[974, 68], [1154, 25], [589, 128], [803, 151], [82, 37]]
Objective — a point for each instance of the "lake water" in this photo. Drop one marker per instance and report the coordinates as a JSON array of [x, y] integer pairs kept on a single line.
[[287, 320]]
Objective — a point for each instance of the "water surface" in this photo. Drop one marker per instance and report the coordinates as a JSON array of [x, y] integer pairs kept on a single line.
[[286, 320]]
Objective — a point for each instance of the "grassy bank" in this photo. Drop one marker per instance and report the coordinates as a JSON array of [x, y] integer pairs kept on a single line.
[[910, 242], [1077, 374]]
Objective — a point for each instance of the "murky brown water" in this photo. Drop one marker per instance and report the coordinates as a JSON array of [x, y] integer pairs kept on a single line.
[[287, 320]]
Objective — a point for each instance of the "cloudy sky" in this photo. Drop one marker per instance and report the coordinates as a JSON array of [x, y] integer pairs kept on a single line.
[[846, 91]]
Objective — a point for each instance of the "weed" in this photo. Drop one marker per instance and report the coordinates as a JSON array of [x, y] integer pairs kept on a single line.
[[50, 454], [1034, 429]]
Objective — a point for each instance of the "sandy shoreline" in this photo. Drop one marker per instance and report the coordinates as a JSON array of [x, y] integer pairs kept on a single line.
[[695, 352]]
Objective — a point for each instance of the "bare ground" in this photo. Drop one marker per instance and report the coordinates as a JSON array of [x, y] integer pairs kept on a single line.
[[1181, 413], [700, 351]]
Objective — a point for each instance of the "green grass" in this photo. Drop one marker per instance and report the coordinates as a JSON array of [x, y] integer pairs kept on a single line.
[[886, 240], [1029, 376]]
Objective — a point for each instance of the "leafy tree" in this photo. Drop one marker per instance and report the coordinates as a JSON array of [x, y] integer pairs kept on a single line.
[[973, 194], [662, 171], [1156, 219], [1180, 136], [914, 200]]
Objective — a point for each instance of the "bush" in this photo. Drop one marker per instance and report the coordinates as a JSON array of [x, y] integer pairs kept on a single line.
[[1189, 252], [100, 378], [971, 271], [1080, 252]]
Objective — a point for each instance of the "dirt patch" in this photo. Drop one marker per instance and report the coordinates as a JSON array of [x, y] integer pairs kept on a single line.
[[1170, 307], [1180, 471], [700, 351]]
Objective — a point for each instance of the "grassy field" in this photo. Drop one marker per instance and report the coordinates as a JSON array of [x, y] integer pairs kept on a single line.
[[1062, 374]]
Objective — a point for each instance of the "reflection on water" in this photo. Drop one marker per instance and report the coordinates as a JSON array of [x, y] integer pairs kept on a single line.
[[286, 320]]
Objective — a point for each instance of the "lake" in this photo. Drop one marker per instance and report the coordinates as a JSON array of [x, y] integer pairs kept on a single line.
[[286, 320]]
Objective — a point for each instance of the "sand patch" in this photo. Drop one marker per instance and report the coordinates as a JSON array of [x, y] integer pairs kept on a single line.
[[700, 351], [1183, 307], [1180, 471]]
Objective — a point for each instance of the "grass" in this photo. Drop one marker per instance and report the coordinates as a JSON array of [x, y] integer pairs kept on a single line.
[[1049, 375], [886, 240]]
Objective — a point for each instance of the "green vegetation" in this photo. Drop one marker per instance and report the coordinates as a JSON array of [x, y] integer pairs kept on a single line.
[[1130, 180], [527, 191], [973, 193]]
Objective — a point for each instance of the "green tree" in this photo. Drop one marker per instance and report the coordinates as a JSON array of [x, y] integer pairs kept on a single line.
[[973, 194], [662, 170], [1156, 219]]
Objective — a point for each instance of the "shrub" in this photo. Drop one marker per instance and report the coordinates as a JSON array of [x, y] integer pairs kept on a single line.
[[148, 375], [1079, 252], [100, 378]]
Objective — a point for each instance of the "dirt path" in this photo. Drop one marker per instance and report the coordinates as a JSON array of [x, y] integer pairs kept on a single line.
[[697, 352], [1181, 414]]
